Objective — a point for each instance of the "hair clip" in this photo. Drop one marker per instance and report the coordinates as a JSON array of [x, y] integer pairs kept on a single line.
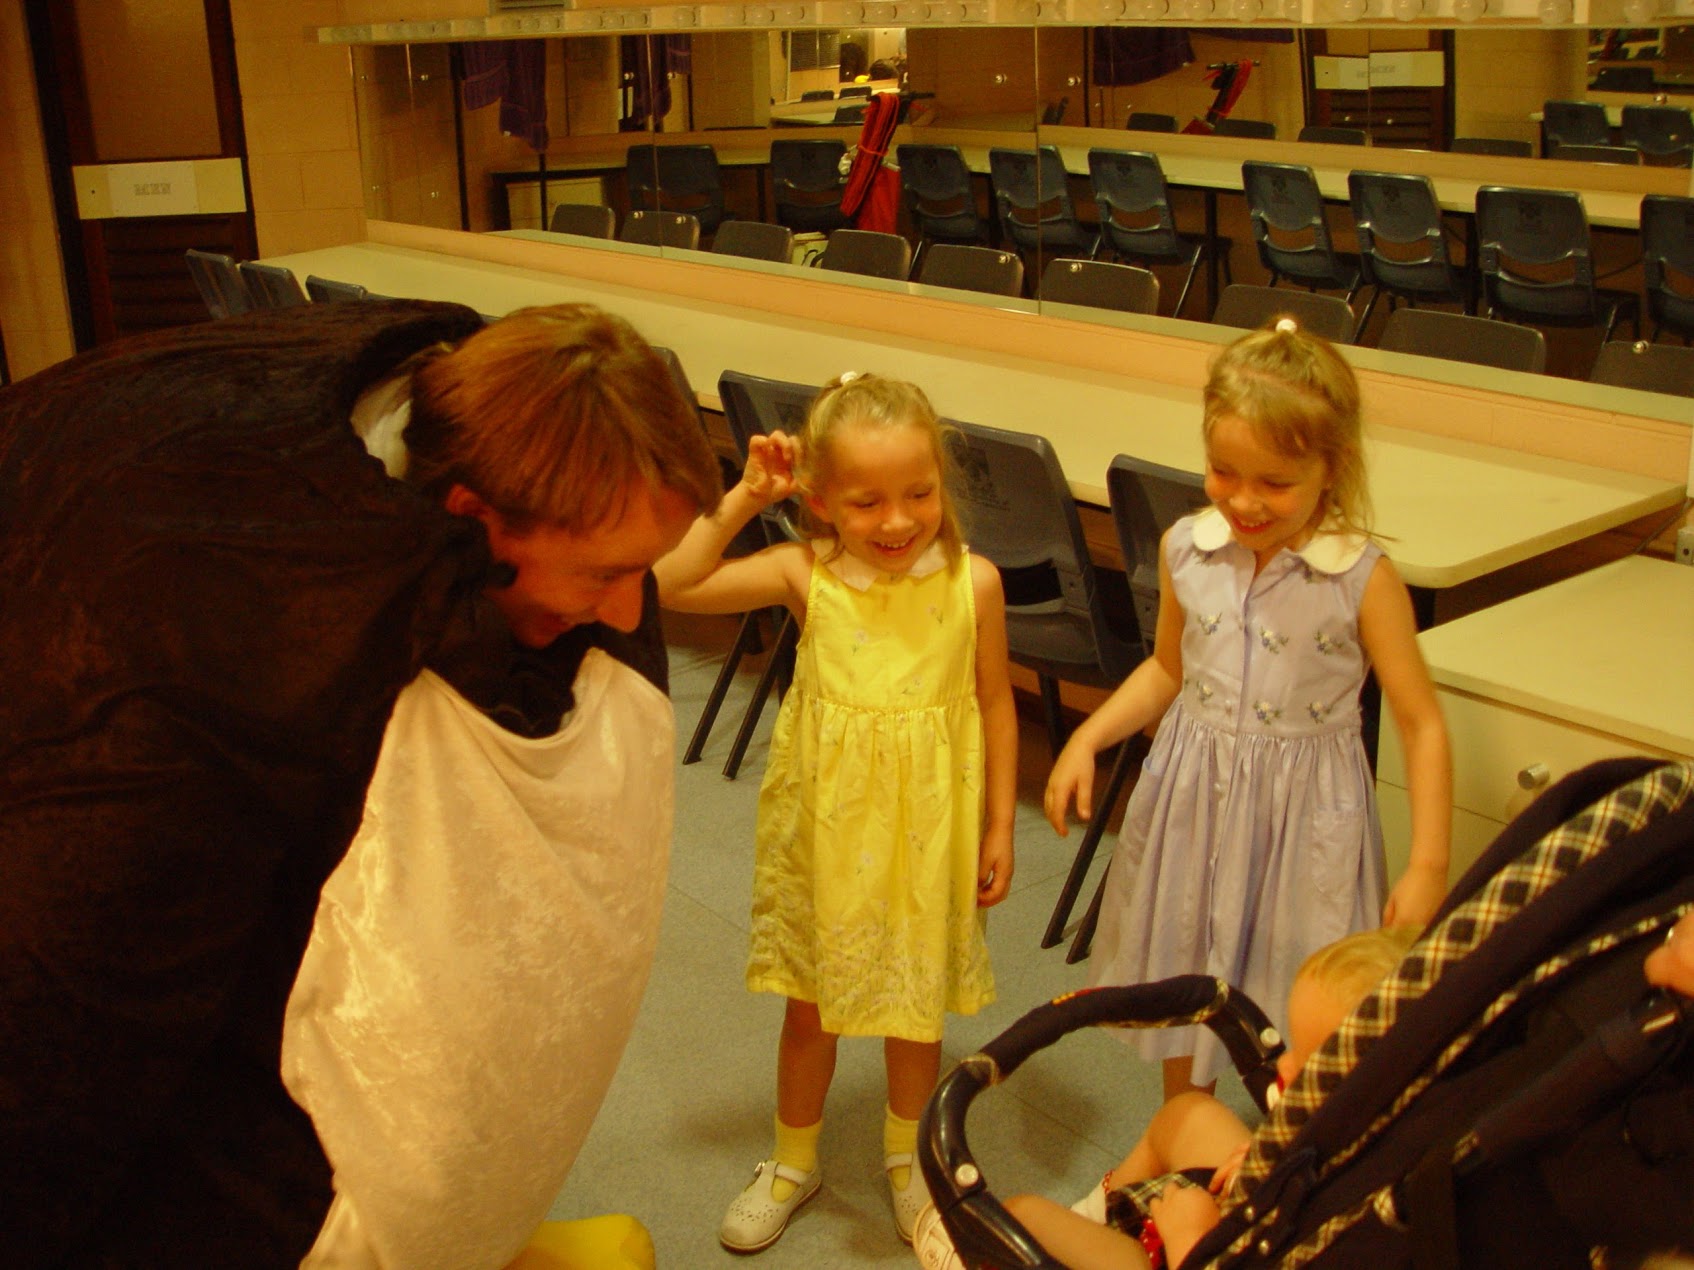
[[848, 376], [1287, 324]]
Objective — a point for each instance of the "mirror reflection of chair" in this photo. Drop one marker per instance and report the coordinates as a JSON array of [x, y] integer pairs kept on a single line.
[[754, 240], [1286, 209], [1627, 156], [1098, 284], [1136, 222], [1460, 337], [329, 290], [1663, 134], [1403, 243], [272, 286], [1574, 123], [219, 281], [1525, 234], [986, 269], [936, 183], [676, 178], [868, 252], [1149, 121], [590, 220], [1665, 368], [1032, 195], [807, 184], [1146, 499], [1502, 147], [856, 90], [661, 229], [1322, 134], [1019, 513], [849, 112], [1054, 111], [1250, 307], [818, 94], [1667, 262], [1260, 129]]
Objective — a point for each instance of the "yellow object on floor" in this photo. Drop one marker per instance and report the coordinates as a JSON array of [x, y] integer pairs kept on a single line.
[[613, 1242]]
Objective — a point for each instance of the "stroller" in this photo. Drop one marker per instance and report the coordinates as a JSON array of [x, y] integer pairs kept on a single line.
[[1512, 1095]]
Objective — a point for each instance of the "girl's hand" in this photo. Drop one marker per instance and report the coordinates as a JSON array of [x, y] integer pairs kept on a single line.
[[1224, 1174], [993, 867], [1415, 897], [1072, 777], [1183, 1214], [1671, 964], [769, 475]]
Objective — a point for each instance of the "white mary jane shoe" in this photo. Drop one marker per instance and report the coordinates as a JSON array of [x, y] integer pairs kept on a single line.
[[755, 1219], [910, 1199], [933, 1244]]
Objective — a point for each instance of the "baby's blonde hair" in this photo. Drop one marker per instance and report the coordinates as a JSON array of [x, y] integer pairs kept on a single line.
[[864, 400], [1299, 397], [1350, 968]]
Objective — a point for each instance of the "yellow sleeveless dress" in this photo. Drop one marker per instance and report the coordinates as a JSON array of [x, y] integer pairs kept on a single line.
[[870, 815]]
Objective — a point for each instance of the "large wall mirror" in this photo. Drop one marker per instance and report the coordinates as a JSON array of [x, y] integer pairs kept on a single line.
[[487, 135]]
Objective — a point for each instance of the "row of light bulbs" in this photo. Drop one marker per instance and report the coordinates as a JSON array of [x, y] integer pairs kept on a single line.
[[850, 13]]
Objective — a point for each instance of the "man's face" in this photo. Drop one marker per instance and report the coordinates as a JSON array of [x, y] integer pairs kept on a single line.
[[568, 579]]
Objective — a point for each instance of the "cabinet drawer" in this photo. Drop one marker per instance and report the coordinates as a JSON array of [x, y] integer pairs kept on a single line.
[[1493, 744], [1471, 833]]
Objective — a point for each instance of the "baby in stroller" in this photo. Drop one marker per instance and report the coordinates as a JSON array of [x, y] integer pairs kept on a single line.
[[1160, 1199]]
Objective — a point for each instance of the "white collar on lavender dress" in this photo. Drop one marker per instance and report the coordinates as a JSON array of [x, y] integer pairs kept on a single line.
[[1330, 550], [859, 574]]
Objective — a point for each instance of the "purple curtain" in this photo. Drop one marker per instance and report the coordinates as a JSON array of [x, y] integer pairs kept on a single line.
[[513, 73]]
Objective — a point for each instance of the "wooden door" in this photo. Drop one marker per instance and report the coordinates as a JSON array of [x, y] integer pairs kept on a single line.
[[147, 153], [1395, 83]]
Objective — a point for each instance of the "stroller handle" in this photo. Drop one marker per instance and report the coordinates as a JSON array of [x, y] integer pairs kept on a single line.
[[983, 1232]]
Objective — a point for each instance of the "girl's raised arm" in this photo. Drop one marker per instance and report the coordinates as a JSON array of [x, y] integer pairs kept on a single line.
[[1139, 700], [695, 578], [1388, 631], [1000, 735]]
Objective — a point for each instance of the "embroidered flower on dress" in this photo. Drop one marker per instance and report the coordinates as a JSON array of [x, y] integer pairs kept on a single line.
[[1328, 643], [1209, 622], [1201, 689], [1266, 711], [1317, 710], [1270, 641]]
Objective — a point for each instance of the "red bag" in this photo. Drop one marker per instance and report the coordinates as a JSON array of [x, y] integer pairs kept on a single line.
[[872, 196]]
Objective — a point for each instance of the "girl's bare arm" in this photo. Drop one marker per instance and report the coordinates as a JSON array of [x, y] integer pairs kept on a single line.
[[1000, 734]]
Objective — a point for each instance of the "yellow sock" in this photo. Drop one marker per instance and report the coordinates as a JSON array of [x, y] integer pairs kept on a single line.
[[614, 1242], [798, 1149], [899, 1137]]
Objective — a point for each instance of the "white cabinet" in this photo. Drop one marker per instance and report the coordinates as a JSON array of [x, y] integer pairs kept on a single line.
[[523, 198], [1597, 666]]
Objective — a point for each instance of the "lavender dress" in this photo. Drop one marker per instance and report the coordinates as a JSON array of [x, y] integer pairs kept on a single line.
[[1251, 838]]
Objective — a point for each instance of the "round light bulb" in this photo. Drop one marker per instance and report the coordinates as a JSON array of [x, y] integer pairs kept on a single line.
[[1555, 12], [1406, 10], [1469, 10], [1246, 10], [1641, 12], [1350, 10]]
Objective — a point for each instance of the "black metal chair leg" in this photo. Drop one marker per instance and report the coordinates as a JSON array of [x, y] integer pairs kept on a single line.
[[1084, 941], [747, 640], [1053, 711], [786, 639], [1085, 849]]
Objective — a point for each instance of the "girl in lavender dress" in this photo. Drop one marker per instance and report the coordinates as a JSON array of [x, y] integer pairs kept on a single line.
[[1251, 838]]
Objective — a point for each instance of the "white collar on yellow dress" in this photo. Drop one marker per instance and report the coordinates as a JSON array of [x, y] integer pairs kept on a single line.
[[859, 574], [1330, 550]]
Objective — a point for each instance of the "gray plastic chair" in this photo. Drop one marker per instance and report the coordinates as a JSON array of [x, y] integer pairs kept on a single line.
[[1285, 207], [966, 268], [1100, 284], [1459, 337], [1522, 234], [1136, 221], [807, 185], [329, 290], [1019, 513], [1576, 123], [936, 184], [754, 240], [1322, 134], [272, 286], [1649, 367], [1149, 121], [661, 229], [1251, 307], [1260, 129], [1627, 156], [1032, 196], [1403, 245], [1663, 134], [1667, 262], [220, 283], [1503, 147], [867, 252], [1146, 500], [676, 178], [589, 220]]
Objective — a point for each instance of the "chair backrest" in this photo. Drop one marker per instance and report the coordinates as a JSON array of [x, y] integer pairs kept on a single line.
[[1580, 123], [329, 290], [818, 94], [868, 252], [1229, 126], [1662, 133], [1459, 337], [1100, 285], [850, 113], [1134, 204], [676, 178], [754, 240], [857, 90], [272, 286], [1628, 156], [1054, 111], [1245, 305], [1502, 146], [1327, 135], [1018, 512], [1650, 367], [1149, 121], [220, 283], [967, 268], [1032, 194], [1667, 260], [939, 198], [590, 220], [754, 406], [807, 184], [661, 229], [1539, 228], [1402, 244], [1622, 79], [1147, 499], [1285, 207]]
